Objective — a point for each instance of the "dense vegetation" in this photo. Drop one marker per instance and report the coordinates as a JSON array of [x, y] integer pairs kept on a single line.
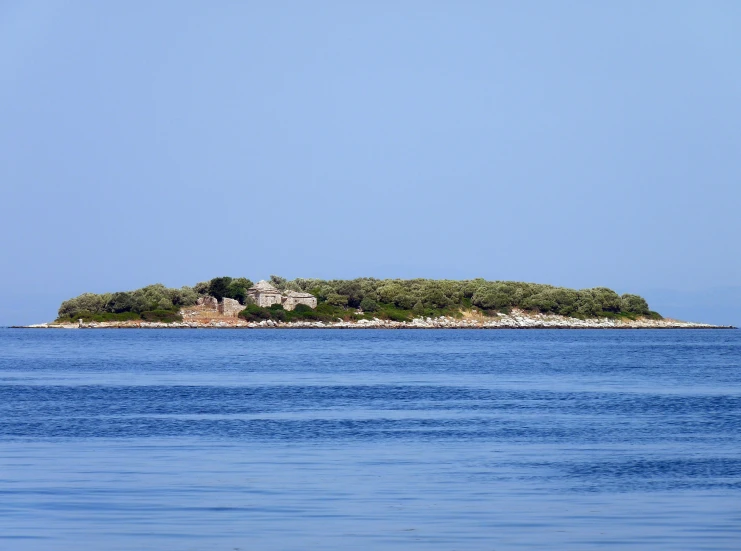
[[151, 303], [394, 299]]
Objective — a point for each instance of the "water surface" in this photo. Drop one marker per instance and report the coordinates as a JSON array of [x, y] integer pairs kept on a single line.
[[370, 439]]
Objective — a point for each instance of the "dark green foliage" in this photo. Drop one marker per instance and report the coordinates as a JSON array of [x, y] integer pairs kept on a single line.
[[105, 316], [391, 312], [218, 287], [634, 304], [396, 299], [302, 309], [253, 312], [165, 316], [336, 299], [227, 287], [278, 282], [146, 299], [237, 289], [120, 302], [278, 315], [368, 305]]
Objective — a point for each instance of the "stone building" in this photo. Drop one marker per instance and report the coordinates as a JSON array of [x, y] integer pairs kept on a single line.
[[294, 298], [265, 295]]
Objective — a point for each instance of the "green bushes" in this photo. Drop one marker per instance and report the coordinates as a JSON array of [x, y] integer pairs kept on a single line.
[[323, 312], [113, 306], [634, 304], [227, 287], [395, 299], [368, 304], [253, 312], [164, 316], [105, 316]]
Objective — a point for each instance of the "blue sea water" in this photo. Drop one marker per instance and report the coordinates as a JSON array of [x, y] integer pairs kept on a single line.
[[370, 439]]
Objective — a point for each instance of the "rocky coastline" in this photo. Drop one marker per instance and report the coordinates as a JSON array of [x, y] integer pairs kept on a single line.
[[514, 320]]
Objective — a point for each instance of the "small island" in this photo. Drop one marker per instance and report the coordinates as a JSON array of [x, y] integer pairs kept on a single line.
[[226, 302]]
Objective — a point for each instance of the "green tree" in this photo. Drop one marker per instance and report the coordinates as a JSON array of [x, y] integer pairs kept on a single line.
[[120, 302], [278, 282], [336, 300], [218, 287], [634, 304], [368, 305], [201, 288]]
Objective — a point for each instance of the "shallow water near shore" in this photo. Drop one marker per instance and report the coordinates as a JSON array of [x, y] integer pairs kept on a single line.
[[370, 439]]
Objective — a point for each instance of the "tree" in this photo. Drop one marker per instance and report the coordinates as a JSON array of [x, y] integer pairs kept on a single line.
[[634, 304], [237, 289], [434, 297], [185, 296], [120, 302], [607, 299], [278, 282], [218, 287], [336, 300], [368, 305]]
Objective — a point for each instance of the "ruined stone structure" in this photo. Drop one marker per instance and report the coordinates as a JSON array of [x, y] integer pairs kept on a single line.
[[265, 295], [208, 302], [294, 298], [230, 307], [262, 293]]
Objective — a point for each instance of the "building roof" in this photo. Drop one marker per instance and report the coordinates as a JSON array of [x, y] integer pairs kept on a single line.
[[263, 286], [298, 294]]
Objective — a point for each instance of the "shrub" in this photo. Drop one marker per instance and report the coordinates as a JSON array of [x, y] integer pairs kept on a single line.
[[634, 304], [218, 287], [279, 315], [253, 312], [368, 305], [120, 302], [336, 300], [391, 298], [165, 316]]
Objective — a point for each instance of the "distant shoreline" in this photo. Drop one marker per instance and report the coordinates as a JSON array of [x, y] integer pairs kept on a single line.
[[410, 328], [518, 320]]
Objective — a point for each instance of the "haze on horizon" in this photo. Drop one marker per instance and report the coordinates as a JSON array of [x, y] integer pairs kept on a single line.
[[573, 143]]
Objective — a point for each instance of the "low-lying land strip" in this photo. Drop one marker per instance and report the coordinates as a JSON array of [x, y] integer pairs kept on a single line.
[[227, 302], [515, 320]]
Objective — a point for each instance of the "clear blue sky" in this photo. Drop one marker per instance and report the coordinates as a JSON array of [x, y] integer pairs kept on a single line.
[[571, 143]]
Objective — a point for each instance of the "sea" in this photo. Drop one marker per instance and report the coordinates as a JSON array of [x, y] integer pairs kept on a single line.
[[237, 440]]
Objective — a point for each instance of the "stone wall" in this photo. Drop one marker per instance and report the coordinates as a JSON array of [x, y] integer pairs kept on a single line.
[[293, 299], [230, 307], [265, 299]]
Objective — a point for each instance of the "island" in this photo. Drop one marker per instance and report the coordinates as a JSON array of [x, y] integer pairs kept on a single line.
[[226, 302]]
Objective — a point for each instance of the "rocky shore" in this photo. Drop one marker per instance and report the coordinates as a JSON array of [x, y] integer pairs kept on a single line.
[[515, 320]]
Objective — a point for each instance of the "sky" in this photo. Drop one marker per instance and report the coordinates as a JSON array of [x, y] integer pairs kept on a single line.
[[572, 143]]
